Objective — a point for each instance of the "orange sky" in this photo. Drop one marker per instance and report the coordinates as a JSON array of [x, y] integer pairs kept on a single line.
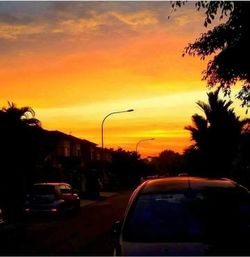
[[75, 62]]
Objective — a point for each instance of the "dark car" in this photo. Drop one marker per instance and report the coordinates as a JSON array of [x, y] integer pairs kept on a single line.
[[185, 216], [2, 224], [51, 198], [1, 218]]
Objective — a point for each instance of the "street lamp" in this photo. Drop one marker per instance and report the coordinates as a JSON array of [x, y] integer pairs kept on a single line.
[[136, 148], [130, 110], [102, 133]]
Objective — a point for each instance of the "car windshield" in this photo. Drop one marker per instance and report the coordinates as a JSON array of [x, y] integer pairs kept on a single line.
[[190, 216], [43, 189]]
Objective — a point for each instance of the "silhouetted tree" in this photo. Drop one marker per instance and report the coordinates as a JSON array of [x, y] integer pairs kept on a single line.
[[19, 130], [192, 161], [216, 136], [241, 164], [169, 163], [128, 167], [228, 43]]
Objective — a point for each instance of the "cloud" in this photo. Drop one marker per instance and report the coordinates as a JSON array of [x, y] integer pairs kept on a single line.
[[50, 26], [109, 20], [18, 12], [94, 21], [73, 26], [135, 19], [13, 32]]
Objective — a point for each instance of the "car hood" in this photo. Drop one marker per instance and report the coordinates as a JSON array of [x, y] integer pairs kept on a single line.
[[161, 249]]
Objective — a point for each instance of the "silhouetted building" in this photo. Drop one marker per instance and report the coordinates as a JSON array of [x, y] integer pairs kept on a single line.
[[66, 158]]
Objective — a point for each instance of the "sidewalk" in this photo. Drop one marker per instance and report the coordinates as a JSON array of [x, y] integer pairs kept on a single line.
[[103, 195]]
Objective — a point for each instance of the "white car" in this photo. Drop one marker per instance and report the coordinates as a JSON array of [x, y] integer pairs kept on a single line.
[[185, 216]]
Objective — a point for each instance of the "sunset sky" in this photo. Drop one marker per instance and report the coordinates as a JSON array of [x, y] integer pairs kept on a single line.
[[75, 62]]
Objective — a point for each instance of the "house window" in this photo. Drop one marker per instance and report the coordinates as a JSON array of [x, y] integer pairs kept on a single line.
[[66, 151]]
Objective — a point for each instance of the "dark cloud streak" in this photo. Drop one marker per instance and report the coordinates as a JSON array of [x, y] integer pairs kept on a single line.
[[52, 14], [25, 12]]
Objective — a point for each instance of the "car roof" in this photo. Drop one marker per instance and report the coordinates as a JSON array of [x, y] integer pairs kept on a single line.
[[164, 185], [51, 184]]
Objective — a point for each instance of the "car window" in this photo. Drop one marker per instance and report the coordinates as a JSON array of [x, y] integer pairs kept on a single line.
[[43, 189], [189, 216], [65, 189]]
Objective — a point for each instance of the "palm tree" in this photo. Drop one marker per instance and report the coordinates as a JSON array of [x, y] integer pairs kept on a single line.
[[18, 127], [18, 148], [216, 134], [24, 115], [199, 131]]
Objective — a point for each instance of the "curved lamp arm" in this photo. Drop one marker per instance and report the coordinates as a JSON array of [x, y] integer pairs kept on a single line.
[[136, 148], [130, 110]]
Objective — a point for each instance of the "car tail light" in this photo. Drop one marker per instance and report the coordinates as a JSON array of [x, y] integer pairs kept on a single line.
[[53, 210], [27, 209]]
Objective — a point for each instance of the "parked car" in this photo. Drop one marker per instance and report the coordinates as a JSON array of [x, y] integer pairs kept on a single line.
[[2, 224], [1, 218], [51, 198], [185, 216], [2, 229]]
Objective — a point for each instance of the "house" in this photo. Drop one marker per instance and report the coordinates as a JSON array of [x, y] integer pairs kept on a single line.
[[66, 158]]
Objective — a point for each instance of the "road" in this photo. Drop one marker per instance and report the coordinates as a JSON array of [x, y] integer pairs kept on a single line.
[[86, 233]]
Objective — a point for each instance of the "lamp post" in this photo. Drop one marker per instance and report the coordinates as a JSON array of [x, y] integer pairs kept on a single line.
[[102, 133], [130, 110], [147, 139]]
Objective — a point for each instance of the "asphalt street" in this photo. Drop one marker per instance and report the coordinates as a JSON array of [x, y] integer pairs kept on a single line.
[[88, 232]]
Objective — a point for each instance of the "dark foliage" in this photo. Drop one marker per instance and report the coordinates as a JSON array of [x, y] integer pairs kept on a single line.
[[228, 43], [217, 137], [19, 131], [128, 168], [241, 164], [169, 163]]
